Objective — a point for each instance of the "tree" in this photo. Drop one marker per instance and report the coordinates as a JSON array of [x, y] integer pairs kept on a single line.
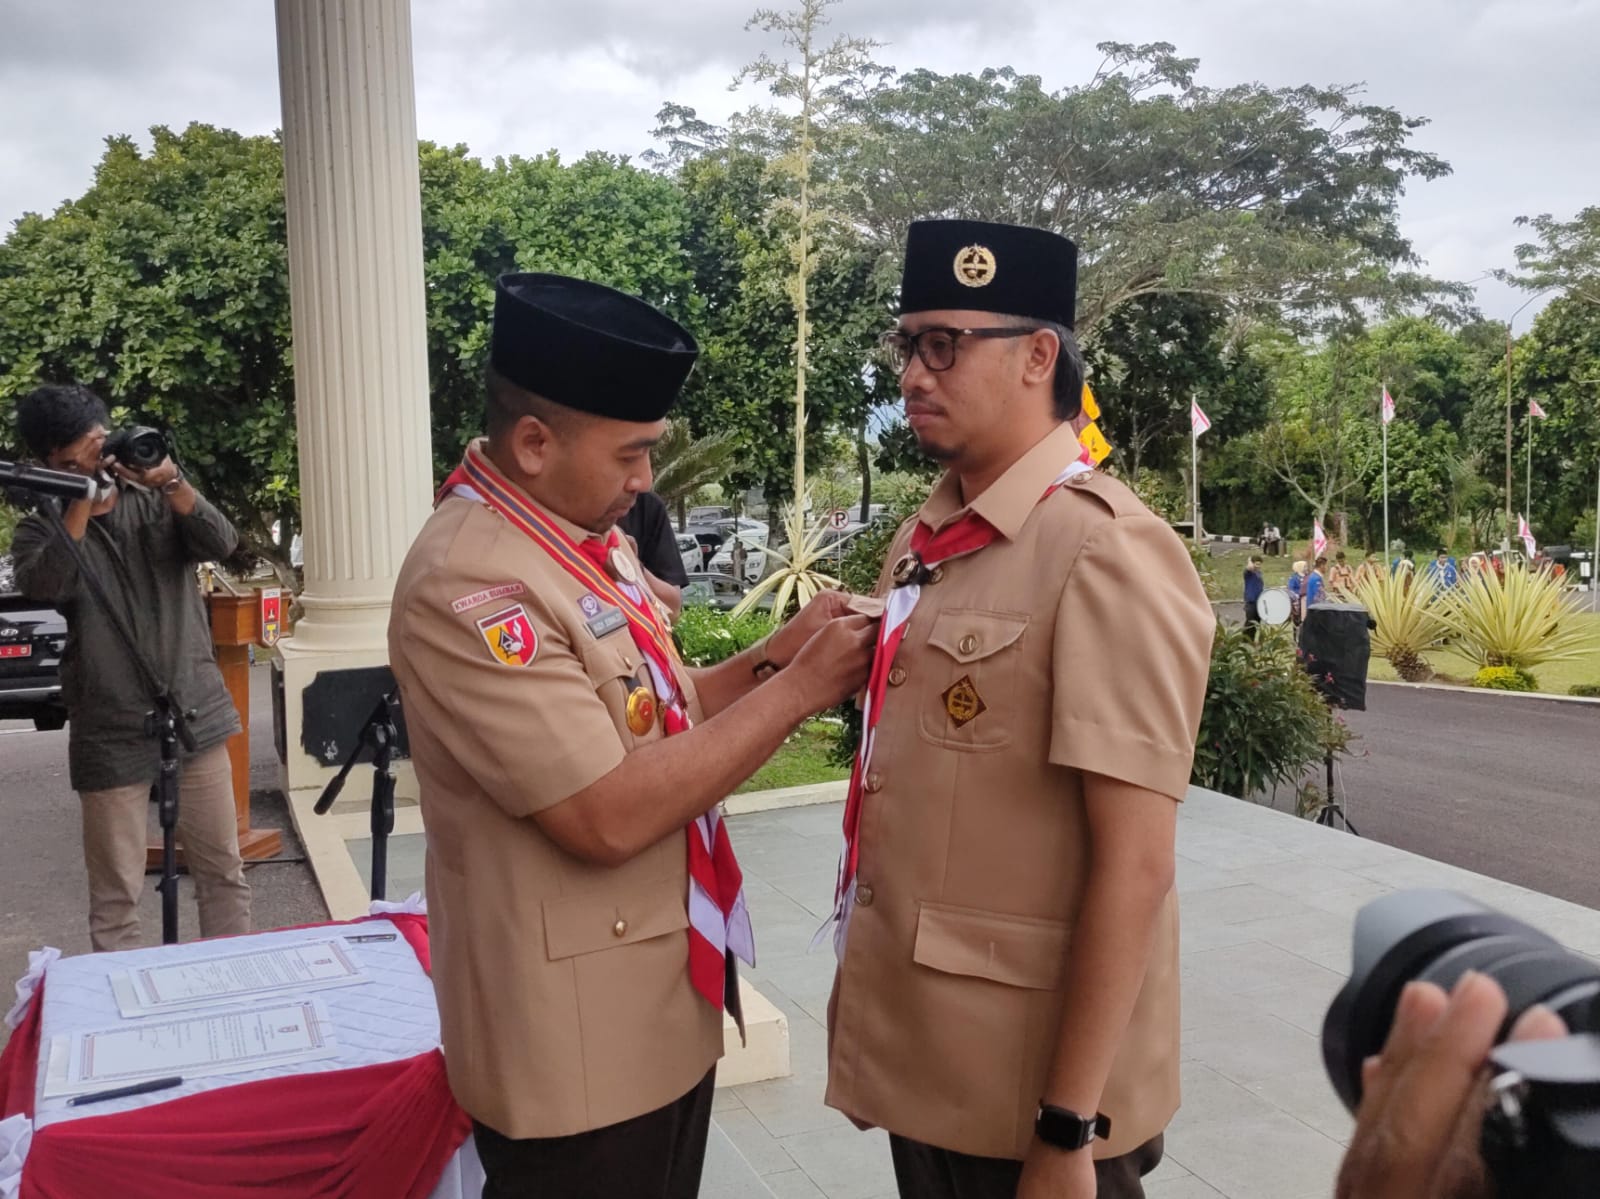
[[1566, 256], [165, 289], [1271, 199]]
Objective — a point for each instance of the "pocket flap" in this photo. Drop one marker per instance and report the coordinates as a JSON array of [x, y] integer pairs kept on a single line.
[[968, 635], [591, 923], [1016, 950]]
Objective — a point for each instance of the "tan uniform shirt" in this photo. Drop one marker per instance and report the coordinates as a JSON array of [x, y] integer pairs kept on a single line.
[[1080, 638], [564, 995]]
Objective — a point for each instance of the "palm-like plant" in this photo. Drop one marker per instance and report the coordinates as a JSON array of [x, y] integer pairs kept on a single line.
[[684, 463], [795, 579], [1524, 619], [1409, 617]]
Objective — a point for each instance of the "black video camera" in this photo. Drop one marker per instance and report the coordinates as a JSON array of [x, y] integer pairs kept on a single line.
[[1541, 1134], [138, 447]]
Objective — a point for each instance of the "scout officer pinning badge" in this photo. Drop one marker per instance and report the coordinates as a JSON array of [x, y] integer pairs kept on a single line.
[[641, 704], [963, 703], [509, 635]]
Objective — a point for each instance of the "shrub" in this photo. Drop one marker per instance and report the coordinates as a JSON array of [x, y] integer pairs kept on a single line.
[[1409, 619], [1524, 619], [1264, 723], [707, 636], [1586, 690], [1504, 678]]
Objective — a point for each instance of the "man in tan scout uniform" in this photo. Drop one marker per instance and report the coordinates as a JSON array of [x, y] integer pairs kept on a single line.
[[584, 900], [1006, 1004]]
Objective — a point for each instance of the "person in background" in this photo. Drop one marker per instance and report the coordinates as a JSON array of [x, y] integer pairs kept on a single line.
[[1316, 587], [1406, 561], [1297, 590], [1371, 568], [649, 529], [1253, 586], [1342, 579], [1442, 570]]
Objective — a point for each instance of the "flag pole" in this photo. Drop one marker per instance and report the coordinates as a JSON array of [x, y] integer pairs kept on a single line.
[[1383, 419], [1528, 507], [1194, 475]]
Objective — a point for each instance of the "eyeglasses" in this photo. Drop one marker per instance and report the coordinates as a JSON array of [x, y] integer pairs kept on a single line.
[[937, 346]]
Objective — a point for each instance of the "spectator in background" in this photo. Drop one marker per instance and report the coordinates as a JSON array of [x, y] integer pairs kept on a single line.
[[1342, 579], [1297, 591], [1271, 541], [1371, 568], [1316, 582], [649, 528], [1442, 570], [1253, 586]]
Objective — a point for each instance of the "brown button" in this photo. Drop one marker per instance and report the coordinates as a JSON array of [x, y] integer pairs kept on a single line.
[[969, 644], [896, 677], [863, 895], [619, 929], [874, 782], [1078, 480]]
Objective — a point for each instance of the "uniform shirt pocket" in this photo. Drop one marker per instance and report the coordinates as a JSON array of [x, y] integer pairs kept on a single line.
[[617, 668], [970, 676]]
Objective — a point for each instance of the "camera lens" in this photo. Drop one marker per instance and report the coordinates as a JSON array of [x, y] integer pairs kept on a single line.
[[1437, 936]]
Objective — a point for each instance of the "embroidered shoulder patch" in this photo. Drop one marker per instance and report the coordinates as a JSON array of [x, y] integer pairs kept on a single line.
[[478, 598], [509, 635]]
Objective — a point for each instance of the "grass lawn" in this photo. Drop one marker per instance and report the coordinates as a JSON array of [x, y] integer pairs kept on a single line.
[[1557, 678], [802, 759]]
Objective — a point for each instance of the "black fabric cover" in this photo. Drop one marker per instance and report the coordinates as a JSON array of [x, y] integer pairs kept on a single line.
[[1336, 641]]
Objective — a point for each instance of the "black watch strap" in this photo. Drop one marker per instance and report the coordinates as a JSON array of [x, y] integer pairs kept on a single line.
[[1066, 1129]]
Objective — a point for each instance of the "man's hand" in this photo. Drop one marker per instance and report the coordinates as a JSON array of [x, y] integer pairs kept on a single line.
[[833, 665], [1051, 1173], [1423, 1098], [155, 477], [785, 644]]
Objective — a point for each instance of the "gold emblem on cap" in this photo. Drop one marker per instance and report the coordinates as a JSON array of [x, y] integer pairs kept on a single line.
[[962, 702], [975, 266]]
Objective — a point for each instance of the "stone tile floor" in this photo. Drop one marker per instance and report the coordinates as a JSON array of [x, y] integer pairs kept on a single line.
[[1268, 903]]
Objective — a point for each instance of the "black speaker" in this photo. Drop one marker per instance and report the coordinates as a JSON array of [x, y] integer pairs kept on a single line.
[[1335, 643]]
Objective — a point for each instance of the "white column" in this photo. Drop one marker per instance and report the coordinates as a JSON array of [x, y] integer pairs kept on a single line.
[[360, 348]]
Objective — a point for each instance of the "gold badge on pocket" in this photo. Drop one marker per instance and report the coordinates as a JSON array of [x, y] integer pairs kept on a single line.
[[641, 711], [963, 703]]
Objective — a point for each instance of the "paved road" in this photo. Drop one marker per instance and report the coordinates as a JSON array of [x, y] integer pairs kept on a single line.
[[43, 888], [1507, 786]]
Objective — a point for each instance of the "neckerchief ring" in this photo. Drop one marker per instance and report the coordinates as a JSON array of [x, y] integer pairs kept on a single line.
[[911, 569]]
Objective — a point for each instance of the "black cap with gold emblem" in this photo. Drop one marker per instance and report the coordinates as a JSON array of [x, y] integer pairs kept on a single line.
[[586, 346], [1007, 269]]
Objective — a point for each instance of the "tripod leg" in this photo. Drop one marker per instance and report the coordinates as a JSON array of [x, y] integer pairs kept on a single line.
[[382, 826], [167, 811]]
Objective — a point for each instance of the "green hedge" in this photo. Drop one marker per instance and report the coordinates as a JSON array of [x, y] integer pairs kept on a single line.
[[1586, 690], [707, 635]]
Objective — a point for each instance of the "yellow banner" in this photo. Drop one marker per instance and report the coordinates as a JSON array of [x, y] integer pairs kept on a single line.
[[1094, 441]]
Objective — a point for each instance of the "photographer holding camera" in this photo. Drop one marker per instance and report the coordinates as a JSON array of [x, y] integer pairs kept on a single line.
[[142, 541]]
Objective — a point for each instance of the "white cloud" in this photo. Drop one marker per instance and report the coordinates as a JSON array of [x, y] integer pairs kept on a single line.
[[1509, 87]]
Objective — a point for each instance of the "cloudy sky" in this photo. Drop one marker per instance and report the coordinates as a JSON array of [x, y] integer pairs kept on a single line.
[[1511, 88]]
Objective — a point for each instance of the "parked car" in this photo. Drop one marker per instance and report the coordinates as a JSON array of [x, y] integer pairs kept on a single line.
[[32, 638], [690, 551], [718, 591], [709, 515]]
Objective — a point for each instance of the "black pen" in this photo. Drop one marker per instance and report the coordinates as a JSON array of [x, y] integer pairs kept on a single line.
[[137, 1088]]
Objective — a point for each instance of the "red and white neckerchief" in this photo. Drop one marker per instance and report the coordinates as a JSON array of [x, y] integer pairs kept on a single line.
[[719, 921], [929, 551]]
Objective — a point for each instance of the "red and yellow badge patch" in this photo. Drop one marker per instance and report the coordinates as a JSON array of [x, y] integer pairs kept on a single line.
[[509, 635]]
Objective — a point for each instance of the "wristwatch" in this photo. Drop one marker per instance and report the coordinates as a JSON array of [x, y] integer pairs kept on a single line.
[[172, 484], [765, 667], [1066, 1129]]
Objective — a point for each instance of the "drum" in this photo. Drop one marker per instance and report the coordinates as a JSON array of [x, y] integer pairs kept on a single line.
[[1274, 606]]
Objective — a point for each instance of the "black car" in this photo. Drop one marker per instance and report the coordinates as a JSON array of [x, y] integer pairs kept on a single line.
[[32, 637]]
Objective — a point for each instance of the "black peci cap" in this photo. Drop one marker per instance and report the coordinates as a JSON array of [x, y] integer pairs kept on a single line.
[[590, 347], [1008, 269]]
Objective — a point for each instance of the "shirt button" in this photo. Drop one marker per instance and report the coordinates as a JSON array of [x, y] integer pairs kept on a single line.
[[874, 783], [863, 895], [896, 677], [969, 644], [619, 929]]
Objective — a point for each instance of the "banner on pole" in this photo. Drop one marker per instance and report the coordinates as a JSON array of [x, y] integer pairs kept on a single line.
[[1535, 410], [1388, 406], [1319, 539], [1198, 421], [1524, 532]]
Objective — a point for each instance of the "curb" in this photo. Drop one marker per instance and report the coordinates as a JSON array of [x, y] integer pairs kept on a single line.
[[1545, 695]]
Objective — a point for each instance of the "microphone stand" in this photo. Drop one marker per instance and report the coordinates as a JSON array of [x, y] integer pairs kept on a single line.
[[166, 721], [382, 736]]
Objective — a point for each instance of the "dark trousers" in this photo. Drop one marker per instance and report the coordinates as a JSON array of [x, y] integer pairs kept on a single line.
[[924, 1172], [1252, 616], [658, 1155]]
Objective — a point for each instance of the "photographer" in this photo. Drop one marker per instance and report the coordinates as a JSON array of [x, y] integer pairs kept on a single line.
[[142, 543]]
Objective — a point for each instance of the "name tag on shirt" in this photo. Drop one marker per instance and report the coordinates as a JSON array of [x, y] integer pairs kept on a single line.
[[609, 621]]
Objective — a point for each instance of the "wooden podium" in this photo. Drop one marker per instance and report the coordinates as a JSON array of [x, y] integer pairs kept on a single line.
[[235, 627]]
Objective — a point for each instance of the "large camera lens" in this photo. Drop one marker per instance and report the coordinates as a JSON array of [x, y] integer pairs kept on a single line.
[[138, 448], [1437, 936]]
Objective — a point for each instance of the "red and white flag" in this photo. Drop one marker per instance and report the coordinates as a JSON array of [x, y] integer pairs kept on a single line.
[[1198, 421], [1388, 406], [1535, 410], [1524, 532], [1319, 540]]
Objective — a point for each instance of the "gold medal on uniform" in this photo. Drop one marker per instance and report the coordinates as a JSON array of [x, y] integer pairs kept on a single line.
[[621, 566], [642, 705]]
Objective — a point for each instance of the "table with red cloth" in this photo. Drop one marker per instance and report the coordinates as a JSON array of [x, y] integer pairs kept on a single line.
[[377, 1121]]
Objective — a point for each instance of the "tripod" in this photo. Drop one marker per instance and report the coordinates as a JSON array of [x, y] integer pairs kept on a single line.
[[166, 722], [1333, 808], [382, 736]]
